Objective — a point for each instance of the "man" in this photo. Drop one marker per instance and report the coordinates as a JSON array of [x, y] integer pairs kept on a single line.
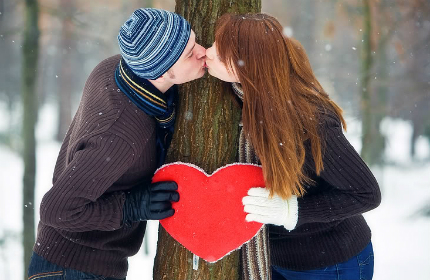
[[94, 216]]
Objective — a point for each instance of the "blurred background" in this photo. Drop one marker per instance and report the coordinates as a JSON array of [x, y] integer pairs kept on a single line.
[[371, 56]]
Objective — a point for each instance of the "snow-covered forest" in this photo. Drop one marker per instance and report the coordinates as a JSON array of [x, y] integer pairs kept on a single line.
[[382, 72]]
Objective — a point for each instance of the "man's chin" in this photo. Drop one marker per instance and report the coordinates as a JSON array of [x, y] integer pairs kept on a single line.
[[199, 74]]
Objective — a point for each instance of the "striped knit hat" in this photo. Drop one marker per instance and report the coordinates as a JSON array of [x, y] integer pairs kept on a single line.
[[152, 40]]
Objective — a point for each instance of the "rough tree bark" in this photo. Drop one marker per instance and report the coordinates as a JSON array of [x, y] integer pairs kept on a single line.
[[206, 134], [366, 64], [30, 50]]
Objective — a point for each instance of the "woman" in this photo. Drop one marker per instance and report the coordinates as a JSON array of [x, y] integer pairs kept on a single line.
[[317, 186]]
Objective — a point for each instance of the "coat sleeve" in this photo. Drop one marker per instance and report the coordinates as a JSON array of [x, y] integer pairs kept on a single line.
[[346, 186], [78, 201]]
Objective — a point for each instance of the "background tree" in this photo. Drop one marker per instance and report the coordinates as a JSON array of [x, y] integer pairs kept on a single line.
[[30, 51], [409, 89], [10, 78], [65, 89], [206, 135], [366, 65], [385, 24], [380, 23], [330, 30]]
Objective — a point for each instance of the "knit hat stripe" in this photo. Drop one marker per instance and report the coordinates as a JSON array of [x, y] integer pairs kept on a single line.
[[150, 51], [149, 55], [152, 40], [146, 47], [158, 54]]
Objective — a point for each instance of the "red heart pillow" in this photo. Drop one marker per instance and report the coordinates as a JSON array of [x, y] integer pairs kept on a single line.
[[209, 219]]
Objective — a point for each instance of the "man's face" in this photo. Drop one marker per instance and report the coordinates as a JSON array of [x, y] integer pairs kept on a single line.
[[190, 65]]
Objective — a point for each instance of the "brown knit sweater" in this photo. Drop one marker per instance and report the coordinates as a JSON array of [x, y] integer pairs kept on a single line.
[[109, 148], [330, 227]]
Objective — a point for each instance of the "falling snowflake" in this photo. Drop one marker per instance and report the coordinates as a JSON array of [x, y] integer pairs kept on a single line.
[[288, 31]]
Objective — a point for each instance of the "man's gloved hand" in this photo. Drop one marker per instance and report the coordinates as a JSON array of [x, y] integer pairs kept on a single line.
[[270, 210], [150, 202]]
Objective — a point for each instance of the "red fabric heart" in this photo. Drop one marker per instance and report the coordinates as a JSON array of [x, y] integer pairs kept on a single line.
[[209, 219]]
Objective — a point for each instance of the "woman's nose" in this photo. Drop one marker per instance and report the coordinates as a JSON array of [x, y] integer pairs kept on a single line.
[[209, 53]]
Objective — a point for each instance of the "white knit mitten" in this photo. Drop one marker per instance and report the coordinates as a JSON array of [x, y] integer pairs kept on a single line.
[[275, 210]]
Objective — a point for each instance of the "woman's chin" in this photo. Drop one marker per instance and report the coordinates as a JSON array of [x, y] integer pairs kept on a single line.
[[215, 76], [211, 73]]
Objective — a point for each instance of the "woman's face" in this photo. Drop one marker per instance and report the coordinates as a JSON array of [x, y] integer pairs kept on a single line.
[[217, 68]]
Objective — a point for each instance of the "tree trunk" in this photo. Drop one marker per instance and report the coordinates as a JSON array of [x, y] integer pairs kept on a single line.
[[206, 134], [2, 10], [65, 87], [366, 64], [379, 110], [414, 138], [375, 106], [30, 48]]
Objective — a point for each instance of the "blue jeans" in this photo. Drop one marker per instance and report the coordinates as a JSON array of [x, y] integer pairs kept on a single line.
[[359, 267], [40, 268]]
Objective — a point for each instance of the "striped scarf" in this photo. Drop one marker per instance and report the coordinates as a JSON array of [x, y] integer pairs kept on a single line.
[[255, 256], [153, 102]]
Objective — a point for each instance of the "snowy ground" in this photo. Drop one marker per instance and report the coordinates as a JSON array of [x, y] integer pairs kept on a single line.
[[400, 238]]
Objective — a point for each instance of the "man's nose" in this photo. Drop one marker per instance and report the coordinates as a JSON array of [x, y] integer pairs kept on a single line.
[[200, 51]]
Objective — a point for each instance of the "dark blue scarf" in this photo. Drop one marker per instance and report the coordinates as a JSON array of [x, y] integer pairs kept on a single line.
[[153, 102]]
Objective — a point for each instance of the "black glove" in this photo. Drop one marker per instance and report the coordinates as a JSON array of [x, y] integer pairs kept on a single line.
[[150, 202]]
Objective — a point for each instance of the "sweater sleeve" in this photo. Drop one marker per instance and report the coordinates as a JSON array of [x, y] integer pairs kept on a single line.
[[78, 200], [347, 187]]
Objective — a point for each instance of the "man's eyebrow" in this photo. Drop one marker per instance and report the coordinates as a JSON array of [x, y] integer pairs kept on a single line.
[[191, 50]]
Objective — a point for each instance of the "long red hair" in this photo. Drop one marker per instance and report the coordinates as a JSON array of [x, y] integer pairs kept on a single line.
[[282, 97]]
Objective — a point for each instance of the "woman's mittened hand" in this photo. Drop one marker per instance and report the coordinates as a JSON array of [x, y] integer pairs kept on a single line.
[[270, 210]]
